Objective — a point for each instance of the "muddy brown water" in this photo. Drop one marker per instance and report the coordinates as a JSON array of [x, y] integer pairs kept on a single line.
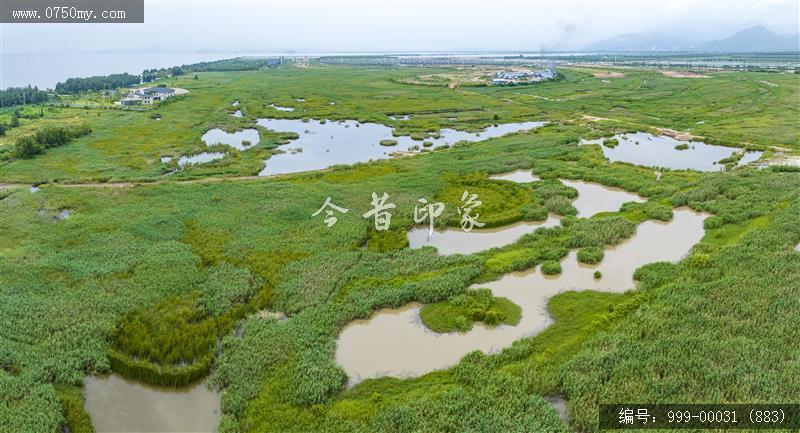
[[394, 342], [118, 405], [456, 241]]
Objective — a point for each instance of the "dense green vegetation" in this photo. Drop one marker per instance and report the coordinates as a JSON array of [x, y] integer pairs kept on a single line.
[[100, 82], [164, 281], [22, 95], [590, 255], [460, 312], [736, 108], [28, 146]]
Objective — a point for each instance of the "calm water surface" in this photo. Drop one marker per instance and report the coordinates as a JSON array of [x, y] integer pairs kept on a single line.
[[330, 143], [519, 176], [119, 405], [393, 342], [594, 198], [649, 150], [233, 139], [200, 158], [453, 240]]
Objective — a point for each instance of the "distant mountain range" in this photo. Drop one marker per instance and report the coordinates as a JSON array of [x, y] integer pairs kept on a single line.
[[757, 38]]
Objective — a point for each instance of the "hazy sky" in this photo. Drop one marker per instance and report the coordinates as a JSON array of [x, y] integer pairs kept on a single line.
[[274, 26]]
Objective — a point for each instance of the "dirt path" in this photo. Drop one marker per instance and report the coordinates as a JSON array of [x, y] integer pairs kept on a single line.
[[6, 186]]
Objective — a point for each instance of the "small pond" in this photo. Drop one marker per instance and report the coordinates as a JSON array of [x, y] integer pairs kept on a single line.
[[594, 198], [237, 113], [393, 342], [233, 139], [326, 143], [519, 176], [281, 108], [117, 405], [199, 158], [650, 150]]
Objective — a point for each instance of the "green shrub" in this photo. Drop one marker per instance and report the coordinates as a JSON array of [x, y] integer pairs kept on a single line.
[[26, 146], [551, 267], [387, 240], [713, 222], [388, 143], [590, 255], [611, 143], [682, 146], [560, 205], [72, 408], [659, 212], [459, 314]]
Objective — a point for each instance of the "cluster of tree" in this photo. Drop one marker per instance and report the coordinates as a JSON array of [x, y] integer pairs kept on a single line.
[[27, 146], [100, 82], [150, 75], [237, 64], [22, 95]]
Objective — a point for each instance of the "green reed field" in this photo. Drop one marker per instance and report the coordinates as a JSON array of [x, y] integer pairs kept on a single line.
[[144, 280]]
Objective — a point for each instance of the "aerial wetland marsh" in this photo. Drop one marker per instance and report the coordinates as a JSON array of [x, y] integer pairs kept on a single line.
[[162, 269]]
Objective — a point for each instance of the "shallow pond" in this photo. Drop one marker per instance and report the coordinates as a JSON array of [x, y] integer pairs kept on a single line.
[[594, 198], [749, 157], [199, 158], [327, 143], [237, 113], [456, 241], [519, 176], [280, 108], [233, 139], [116, 404], [650, 150], [393, 342]]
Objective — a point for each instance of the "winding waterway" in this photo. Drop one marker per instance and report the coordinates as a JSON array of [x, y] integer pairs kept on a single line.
[[394, 342]]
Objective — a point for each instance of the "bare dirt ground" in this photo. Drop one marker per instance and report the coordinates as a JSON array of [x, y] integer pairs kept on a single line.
[[682, 74], [608, 74], [678, 135]]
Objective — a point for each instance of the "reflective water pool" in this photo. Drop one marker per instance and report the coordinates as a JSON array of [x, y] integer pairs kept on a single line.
[[116, 404], [394, 342], [327, 143], [650, 150]]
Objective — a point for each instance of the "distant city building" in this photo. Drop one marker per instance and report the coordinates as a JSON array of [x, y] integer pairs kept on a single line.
[[504, 78]]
